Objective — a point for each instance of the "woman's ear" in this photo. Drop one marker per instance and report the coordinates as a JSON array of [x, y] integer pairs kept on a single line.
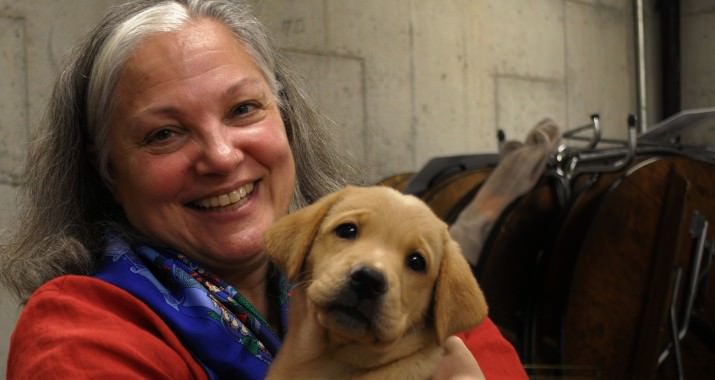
[[93, 157]]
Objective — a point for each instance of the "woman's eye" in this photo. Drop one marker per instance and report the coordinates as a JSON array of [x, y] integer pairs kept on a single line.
[[243, 109], [160, 136]]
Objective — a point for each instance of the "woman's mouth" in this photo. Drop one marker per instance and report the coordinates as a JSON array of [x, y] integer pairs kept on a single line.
[[232, 199]]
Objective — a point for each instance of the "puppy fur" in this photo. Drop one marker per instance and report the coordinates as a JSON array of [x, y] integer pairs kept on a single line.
[[379, 285]]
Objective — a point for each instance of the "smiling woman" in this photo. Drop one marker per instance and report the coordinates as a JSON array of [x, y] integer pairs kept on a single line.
[[175, 136], [181, 138], [193, 122]]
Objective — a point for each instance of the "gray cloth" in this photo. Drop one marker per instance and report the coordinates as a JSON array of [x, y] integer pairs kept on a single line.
[[519, 169]]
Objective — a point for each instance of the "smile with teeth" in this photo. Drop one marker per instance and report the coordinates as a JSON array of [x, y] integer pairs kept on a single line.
[[230, 199]]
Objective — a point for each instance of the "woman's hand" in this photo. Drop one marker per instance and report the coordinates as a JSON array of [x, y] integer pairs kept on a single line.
[[457, 362]]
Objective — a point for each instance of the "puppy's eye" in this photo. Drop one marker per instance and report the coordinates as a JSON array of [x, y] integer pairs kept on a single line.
[[347, 231], [416, 262]]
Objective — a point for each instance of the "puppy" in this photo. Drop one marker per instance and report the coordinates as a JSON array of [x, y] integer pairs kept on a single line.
[[379, 285]]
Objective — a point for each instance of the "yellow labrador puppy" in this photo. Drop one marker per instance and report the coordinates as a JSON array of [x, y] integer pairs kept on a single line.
[[379, 285]]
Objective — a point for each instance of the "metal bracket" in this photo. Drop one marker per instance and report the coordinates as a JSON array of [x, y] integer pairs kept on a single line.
[[698, 272], [567, 163]]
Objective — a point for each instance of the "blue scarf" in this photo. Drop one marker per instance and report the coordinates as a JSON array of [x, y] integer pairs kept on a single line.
[[222, 330]]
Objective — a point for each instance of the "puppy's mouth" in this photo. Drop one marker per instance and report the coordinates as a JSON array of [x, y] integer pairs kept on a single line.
[[358, 318], [355, 308]]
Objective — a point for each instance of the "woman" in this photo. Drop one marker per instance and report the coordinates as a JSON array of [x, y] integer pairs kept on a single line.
[[174, 138]]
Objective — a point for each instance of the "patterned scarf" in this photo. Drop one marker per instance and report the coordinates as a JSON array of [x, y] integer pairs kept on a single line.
[[223, 331]]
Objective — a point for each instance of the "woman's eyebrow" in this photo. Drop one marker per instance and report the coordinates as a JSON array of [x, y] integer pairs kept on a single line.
[[244, 84]]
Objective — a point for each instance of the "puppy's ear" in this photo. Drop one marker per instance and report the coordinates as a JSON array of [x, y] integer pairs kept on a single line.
[[459, 303], [288, 241]]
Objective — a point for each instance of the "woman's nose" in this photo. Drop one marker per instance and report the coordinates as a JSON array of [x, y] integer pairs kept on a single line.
[[219, 154]]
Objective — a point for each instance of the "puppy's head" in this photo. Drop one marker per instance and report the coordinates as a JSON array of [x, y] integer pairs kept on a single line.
[[377, 265]]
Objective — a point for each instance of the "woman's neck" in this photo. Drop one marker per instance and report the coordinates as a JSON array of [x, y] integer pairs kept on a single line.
[[251, 280]]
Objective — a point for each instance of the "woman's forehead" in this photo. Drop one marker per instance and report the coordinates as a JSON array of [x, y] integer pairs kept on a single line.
[[217, 63]]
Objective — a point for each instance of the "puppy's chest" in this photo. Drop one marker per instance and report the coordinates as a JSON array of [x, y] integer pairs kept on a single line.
[[418, 366], [355, 363]]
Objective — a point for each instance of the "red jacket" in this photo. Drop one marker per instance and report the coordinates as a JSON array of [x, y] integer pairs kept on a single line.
[[78, 327]]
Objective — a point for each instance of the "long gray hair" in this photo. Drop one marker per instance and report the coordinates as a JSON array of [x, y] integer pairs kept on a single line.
[[65, 204]]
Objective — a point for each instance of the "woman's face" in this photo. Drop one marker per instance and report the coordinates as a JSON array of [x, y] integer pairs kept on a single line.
[[197, 146]]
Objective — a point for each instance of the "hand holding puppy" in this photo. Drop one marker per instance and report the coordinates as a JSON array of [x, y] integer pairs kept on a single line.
[[457, 362]]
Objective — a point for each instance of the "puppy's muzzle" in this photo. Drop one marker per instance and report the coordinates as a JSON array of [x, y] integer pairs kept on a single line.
[[358, 302], [367, 282]]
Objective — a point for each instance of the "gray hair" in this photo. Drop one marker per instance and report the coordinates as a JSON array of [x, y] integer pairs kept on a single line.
[[65, 202]]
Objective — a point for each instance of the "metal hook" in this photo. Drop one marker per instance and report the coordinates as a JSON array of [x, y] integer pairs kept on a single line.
[[630, 152], [595, 127]]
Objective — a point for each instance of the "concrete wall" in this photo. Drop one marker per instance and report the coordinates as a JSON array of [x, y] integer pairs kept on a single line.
[[428, 78], [403, 80], [698, 49]]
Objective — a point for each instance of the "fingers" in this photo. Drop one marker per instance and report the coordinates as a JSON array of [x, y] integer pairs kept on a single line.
[[453, 344], [457, 362]]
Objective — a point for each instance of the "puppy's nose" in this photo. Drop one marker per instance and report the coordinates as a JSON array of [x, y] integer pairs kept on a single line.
[[367, 282]]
